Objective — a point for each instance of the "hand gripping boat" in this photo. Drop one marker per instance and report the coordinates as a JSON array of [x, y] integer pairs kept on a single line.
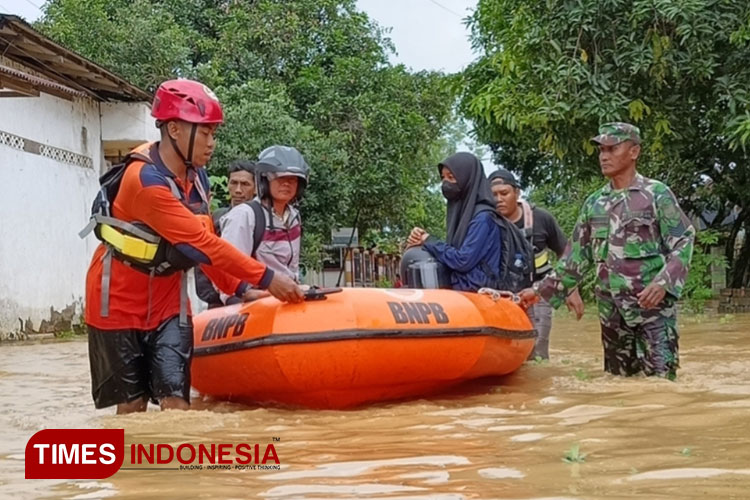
[[358, 346]]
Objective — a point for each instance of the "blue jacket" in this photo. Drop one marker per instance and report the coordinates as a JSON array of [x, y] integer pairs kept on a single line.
[[481, 245]]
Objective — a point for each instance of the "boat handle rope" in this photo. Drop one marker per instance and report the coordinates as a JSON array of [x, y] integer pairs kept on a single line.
[[500, 294]]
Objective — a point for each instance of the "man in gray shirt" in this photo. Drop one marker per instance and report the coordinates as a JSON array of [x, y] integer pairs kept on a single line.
[[241, 187]]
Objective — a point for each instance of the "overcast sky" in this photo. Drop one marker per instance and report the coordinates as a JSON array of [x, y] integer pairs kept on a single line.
[[428, 34], [28, 9]]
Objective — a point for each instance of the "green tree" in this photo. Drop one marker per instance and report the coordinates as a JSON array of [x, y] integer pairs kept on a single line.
[[332, 61], [255, 118], [310, 73], [139, 40], [550, 72]]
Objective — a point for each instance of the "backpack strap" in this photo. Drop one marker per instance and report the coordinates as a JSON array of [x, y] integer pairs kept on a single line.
[[89, 227], [106, 278], [106, 202], [528, 218], [260, 225], [173, 187], [137, 156], [185, 197], [124, 226], [183, 321], [198, 183], [183, 299]]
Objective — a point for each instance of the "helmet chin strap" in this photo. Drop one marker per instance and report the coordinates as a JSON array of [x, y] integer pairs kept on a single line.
[[189, 160]]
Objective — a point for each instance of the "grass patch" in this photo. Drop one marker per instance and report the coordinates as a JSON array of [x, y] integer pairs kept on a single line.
[[70, 334], [574, 455], [727, 318], [582, 374]]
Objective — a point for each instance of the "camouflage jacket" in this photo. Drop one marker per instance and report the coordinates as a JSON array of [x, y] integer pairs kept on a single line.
[[635, 236]]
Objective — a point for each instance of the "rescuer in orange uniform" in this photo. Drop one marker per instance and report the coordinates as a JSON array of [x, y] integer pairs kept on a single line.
[[154, 228]]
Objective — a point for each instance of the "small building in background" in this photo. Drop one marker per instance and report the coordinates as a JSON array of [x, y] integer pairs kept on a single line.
[[355, 266], [64, 120]]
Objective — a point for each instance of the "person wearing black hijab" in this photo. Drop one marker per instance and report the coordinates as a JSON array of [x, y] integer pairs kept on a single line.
[[472, 247]]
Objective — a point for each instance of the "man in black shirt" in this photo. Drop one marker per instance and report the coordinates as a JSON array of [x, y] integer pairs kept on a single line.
[[543, 231]]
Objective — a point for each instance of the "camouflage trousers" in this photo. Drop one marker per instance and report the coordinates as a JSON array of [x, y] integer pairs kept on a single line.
[[637, 340]]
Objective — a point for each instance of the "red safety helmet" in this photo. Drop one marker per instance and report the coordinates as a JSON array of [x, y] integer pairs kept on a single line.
[[186, 100]]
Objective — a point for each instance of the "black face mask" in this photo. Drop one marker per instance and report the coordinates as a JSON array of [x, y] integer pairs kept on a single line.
[[451, 190]]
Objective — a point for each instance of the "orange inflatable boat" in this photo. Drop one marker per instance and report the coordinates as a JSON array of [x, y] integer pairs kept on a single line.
[[357, 346]]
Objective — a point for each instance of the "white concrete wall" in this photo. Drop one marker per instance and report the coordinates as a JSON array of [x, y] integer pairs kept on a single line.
[[44, 203], [69, 125], [128, 122]]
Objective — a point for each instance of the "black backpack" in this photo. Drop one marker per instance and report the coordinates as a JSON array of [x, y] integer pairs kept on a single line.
[[260, 225], [168, 259], [258, 230], [203, 286], [109, 183], [516, 260]]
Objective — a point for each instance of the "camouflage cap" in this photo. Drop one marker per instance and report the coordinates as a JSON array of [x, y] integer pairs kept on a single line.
[[617, 132]]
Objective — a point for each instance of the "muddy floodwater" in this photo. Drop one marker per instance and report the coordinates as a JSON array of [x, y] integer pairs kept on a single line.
[[502, 438]]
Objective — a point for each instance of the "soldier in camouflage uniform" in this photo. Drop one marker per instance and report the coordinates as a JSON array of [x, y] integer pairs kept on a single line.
[[641, 242]]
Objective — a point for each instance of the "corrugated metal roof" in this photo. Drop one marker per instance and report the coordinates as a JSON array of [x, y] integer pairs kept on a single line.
[[40, 82], [22, 44]]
